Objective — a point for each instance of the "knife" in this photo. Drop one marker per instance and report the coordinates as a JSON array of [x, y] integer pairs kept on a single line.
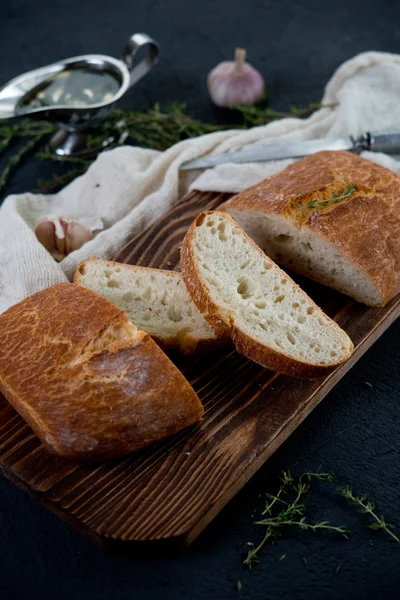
[[389, 143]]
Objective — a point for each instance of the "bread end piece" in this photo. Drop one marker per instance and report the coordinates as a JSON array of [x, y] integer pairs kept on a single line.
[[332, 216], [88, 382]]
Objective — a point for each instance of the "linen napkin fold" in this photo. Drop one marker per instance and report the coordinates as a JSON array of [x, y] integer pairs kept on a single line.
[[127, 188]]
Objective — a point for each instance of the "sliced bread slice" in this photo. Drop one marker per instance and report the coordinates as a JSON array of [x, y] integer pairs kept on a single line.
[[156, 301], [244, 293]]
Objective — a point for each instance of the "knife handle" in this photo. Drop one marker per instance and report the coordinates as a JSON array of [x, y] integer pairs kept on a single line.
[[389, 143]]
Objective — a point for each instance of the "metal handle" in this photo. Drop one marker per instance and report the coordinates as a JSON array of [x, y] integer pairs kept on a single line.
[[389, 143], [136, 41]]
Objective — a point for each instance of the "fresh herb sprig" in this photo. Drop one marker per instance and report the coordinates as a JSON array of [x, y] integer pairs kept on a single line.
[[58, 181], [155, 128], [286, 510], [367, 507], [291, 513], [27, 135], [258, 114], [333, 199]]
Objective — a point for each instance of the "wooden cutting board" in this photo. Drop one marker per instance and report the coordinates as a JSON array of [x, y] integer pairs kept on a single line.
[[173, 489]]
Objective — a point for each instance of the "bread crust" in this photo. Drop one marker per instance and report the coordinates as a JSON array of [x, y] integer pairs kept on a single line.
[[365, 227], [189, 344], [224, 324], [91, 385]]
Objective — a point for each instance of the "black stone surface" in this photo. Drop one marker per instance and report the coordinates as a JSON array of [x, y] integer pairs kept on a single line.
[[355, 431]]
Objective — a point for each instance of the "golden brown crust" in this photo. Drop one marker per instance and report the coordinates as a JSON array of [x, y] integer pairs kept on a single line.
[[277, 361], [365, 226], [187, 344], [195, 287], [223, 323], [90, 385]]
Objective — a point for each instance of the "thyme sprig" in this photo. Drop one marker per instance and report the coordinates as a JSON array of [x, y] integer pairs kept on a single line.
[[58, 181], [18, 157], [257, 115], [367, 507], [28, 132], [291, 513], [155, 128], [286, 509], [333, 199]]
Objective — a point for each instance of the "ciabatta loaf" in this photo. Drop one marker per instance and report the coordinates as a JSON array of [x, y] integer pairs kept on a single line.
[[88, 382], [244, 293], [332, 216], [156, 301]]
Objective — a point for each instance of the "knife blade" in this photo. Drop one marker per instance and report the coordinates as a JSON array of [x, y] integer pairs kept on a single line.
[[388, 143]]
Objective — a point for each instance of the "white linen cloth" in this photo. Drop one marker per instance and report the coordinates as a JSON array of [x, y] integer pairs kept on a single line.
[[127, 188]]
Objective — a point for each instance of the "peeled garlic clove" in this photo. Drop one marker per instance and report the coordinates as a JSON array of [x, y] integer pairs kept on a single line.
[[46, 234], [235, 82], [61, 226], [76, 235], [60, 236]]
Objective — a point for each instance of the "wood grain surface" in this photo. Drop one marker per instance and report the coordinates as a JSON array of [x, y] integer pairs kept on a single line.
[[173, 489]]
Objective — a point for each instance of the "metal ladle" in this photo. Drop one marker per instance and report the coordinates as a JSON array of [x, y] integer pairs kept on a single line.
[[75, 122]]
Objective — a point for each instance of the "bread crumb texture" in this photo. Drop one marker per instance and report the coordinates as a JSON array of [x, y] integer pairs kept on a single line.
[[156, 301], [263, 308]]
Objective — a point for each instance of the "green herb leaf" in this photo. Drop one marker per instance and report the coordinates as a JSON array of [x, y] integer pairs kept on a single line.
[[155, 128], [292, 513], [333, 199], [367, 507]]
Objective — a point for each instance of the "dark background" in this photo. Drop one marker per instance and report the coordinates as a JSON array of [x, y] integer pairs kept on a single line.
[[355, 431]]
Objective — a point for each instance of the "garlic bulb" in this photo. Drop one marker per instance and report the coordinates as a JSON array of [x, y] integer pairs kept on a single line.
[[235, 82], [60, 236]]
